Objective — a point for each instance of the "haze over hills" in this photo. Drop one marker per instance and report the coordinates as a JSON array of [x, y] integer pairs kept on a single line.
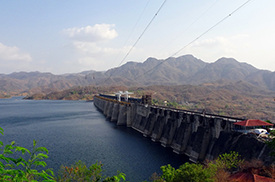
[[173, 71]]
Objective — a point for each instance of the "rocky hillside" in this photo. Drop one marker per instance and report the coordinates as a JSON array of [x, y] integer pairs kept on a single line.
[[229, 98], [172, 71]]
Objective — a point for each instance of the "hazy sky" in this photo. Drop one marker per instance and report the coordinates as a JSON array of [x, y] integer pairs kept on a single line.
[[66, 36]]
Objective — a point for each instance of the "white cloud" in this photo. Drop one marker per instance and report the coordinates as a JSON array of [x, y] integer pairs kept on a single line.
[[93, 48], [226, 43], [94, 63], [13, 54], [100, 58], [211, 49], [96, 33], [90, 50]]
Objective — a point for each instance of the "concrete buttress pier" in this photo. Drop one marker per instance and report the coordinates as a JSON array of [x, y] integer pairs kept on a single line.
[[198, 135], [115, 112], [122, 115]]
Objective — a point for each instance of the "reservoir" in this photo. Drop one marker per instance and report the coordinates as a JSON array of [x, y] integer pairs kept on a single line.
[[76, 130]]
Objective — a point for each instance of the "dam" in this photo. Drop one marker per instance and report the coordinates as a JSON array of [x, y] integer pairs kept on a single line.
[[200, 136]]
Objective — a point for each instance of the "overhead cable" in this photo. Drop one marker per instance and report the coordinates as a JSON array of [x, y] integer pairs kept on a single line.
[[189, 26], [195, 39], [114, 70], [132, 31]]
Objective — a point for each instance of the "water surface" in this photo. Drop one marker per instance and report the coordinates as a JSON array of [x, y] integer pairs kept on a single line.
[[76, 130]]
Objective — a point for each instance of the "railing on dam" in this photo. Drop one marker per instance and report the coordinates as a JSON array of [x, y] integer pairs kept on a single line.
[[122, 98], [233, 119], [136, 100], [199, 135]]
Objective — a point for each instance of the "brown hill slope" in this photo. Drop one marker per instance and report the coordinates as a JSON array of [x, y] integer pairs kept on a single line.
[[224, 68], [237, 99], [172, 71]]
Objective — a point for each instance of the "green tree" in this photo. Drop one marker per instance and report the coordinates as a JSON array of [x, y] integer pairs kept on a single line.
[[168, 172], [24, 169], [193, 173], [229, 161], [20, 169], [188, 172]]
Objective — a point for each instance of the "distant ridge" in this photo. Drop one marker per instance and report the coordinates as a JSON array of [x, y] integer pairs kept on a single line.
[[182, 70]]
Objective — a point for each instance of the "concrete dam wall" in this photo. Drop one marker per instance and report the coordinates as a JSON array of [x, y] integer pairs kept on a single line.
[[199, 136]]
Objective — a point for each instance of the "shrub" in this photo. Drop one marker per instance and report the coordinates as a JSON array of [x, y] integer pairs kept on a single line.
[[193, 173], [188, 172], [19, 169], [229, 161], [80, 172], [168, 172]]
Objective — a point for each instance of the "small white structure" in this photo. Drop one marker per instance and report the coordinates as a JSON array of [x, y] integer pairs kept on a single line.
[[126, 95], [118, 94]]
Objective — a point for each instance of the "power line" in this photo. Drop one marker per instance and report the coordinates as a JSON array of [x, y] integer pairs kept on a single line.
[[132, 31], [138, 39], [195, 38], [189, 26]]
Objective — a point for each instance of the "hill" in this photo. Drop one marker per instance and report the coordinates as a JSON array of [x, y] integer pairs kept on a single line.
[[173, 71], [230, 98]]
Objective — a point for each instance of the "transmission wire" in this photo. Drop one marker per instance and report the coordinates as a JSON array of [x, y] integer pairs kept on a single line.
[[137, 39], [132, 30], [189, 26], [195, 39]]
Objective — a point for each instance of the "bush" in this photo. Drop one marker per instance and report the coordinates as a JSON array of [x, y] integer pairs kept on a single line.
[[168, 172], [193, 173], [80, 172], [20, 170], [229, 161], [188, 172]]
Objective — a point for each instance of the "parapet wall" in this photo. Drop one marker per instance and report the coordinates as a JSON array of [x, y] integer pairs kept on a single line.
[[200, 136]]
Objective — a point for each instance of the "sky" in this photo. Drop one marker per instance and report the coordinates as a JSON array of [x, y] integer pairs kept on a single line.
[[66, 36]]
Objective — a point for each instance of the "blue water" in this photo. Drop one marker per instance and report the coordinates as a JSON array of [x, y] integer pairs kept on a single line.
[[76, 130]]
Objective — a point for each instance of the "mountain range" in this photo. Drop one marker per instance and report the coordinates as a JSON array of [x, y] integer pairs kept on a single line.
[[183, 70]]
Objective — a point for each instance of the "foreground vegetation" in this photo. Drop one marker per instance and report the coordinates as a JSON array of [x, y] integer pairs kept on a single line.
[[24, 168]]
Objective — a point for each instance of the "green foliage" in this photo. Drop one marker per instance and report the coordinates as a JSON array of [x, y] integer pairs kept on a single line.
[[139, 93], [188, 172], [198, 172], [74, 92], [117, 178], [228, 161], [19, 169], [155, 101], [193, 173], [168, 172], [173, 104], [80, 172]]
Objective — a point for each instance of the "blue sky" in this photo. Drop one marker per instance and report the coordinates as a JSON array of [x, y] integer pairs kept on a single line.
[[73, 36]]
